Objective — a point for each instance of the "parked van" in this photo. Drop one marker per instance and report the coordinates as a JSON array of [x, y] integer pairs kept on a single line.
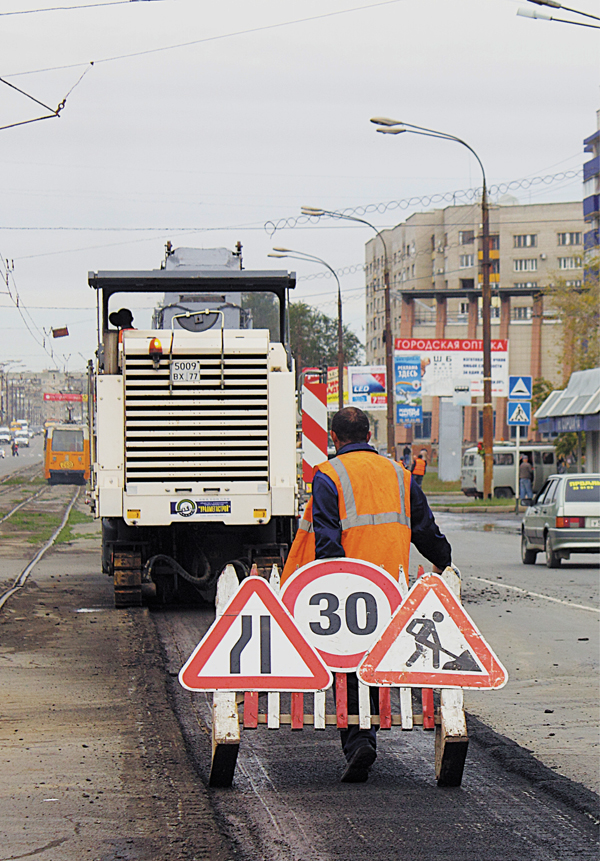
[[541, 457]]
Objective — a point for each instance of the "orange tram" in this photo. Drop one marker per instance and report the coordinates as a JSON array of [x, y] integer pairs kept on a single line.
[[67, 454]]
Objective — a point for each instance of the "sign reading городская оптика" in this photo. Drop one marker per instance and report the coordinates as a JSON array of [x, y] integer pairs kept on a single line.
[[445, 360]]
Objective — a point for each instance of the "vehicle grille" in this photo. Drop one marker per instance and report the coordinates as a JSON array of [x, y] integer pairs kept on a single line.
[[197, 432]]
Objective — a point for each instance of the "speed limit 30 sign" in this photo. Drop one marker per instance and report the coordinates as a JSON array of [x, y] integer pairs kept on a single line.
[[342, 607]]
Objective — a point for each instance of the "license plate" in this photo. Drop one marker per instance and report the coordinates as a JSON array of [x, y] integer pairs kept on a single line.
[[185, 371], [592, 522]]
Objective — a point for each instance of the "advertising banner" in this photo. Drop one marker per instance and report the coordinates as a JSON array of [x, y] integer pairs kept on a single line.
[[407, 388], [64, 396], [367, 389], [446, 362], [333, 401]]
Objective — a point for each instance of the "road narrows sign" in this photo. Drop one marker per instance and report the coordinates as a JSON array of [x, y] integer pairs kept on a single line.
[[341, 606], [254, 646], [432, 642]]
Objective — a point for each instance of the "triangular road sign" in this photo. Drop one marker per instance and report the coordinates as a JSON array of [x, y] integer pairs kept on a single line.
[[432, 642], [254, 646], [519, 387]]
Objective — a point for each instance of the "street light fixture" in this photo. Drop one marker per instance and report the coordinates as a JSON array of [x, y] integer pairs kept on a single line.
[[389, 344], [554, 4], [303, 255], [388, 126]]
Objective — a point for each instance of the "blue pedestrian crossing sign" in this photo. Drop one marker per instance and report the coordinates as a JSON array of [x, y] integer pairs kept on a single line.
[[520, 388], [519, 413]]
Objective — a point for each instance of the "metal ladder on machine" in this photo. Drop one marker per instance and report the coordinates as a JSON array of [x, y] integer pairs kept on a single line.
[[395, 709]]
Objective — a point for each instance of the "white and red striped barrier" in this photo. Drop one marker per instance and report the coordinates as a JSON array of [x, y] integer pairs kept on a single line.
[[314, 428]]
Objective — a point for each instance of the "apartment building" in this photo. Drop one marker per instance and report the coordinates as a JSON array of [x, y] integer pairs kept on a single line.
[[591, 191], [435, 281]]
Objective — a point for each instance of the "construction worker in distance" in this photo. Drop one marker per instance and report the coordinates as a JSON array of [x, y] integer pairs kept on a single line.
[[419, 468], [364, 506]]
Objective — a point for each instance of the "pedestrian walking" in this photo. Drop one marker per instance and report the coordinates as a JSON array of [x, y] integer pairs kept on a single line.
[[525, 480]]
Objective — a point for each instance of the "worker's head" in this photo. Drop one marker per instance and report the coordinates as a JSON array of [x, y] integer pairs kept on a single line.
[[122, 319], [349, 425]]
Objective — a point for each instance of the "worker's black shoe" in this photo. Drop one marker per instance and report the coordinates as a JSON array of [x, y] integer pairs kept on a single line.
[[357, 770]]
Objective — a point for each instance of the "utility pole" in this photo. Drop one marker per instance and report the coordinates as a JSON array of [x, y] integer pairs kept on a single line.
[[486, 302]]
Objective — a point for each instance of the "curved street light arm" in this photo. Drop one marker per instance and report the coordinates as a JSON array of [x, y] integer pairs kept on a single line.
[[303, 255], [389, 343], [390, 126]]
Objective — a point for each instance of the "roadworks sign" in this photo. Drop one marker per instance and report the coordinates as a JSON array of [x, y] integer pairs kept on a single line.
[[254, 646], [432, 642]]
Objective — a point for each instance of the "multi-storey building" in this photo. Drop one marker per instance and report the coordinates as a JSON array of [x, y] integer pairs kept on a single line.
[[435, 281], [591, 191]]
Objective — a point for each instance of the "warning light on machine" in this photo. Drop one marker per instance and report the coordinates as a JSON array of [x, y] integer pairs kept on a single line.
[[155, 351]]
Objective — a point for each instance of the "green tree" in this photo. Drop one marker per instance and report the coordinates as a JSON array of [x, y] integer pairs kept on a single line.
[[579, 311], [540, 390], [314, 338], [264, 309]]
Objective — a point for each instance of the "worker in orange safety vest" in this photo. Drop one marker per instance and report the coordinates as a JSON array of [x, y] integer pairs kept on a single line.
[[419, 468], [367, 507]]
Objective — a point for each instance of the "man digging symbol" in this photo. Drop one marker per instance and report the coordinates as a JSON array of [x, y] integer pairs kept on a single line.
[[426, 636]]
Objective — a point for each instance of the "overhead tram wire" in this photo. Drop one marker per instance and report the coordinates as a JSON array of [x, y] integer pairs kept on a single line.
[[64, 8], [212, 38], [8, 276], [54, 113]]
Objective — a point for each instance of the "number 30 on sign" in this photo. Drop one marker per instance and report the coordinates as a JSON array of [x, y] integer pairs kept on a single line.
[[342, 607]]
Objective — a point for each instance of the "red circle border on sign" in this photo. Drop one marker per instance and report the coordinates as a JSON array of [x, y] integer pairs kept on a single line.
[[313, 570]]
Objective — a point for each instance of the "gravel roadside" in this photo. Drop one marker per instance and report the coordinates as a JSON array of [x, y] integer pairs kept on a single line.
[[93, 763]]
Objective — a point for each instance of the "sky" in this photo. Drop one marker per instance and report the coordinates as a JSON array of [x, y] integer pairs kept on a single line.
[[265, 109]]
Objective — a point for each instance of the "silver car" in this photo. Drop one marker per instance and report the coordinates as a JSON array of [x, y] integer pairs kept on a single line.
[[564, 518]]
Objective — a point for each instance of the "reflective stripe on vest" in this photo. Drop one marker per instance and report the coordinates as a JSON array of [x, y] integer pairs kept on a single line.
[[352, 518]]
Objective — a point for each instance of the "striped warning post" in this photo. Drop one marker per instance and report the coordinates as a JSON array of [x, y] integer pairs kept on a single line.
[[314, 428]]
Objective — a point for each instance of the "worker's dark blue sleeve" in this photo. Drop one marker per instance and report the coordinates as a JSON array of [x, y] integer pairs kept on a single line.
[[424, 532], [326, 518]]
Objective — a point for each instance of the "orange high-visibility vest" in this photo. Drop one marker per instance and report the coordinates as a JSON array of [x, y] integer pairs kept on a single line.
[[374, 507], [419, 467]]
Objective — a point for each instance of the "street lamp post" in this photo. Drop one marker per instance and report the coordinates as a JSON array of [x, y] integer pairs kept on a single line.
[[389, 343], [302, 255], [395, 127]]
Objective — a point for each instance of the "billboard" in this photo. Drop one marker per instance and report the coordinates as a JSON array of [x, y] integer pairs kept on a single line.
[[407, 389], [333, 400], [446, 362], [64, 396], [367, 387]]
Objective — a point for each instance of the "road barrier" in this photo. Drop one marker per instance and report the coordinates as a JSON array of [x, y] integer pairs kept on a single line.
[[234, 711]]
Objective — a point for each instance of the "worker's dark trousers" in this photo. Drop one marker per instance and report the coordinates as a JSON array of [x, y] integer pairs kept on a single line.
[[353, 737]]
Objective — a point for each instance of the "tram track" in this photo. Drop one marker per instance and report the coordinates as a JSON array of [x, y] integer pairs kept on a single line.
[[6, 483], [21, 578], [21, 505]]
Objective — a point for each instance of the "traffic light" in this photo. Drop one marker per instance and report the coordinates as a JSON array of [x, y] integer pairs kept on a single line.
[[323, 370]]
